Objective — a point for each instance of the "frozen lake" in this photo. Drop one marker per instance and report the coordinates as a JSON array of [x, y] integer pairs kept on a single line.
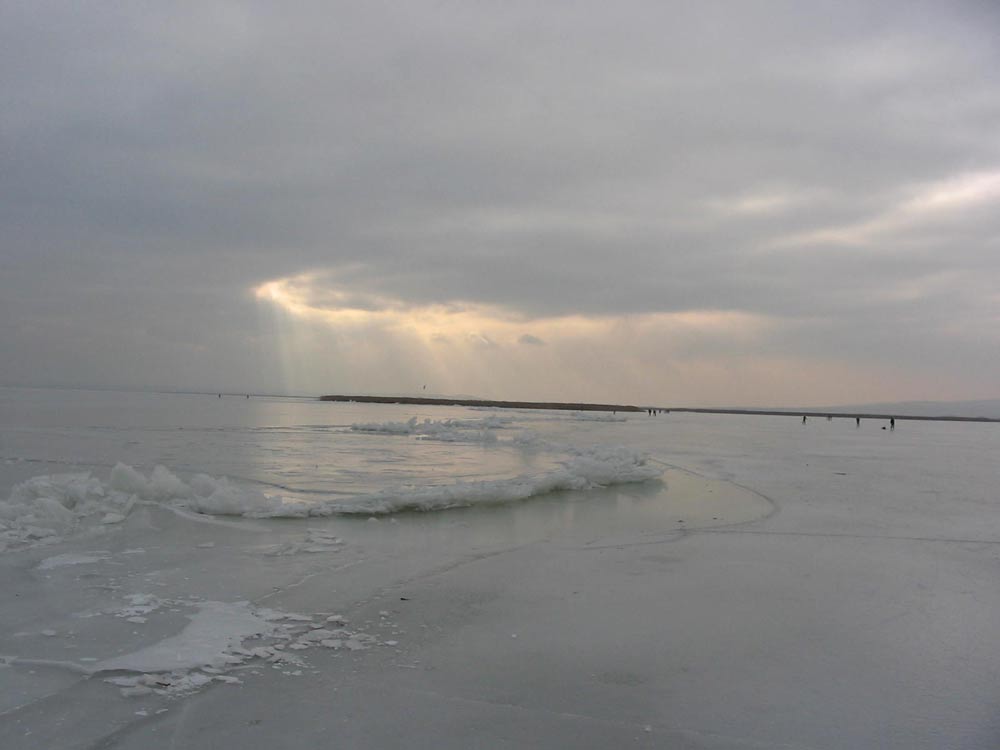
[[307, 574]]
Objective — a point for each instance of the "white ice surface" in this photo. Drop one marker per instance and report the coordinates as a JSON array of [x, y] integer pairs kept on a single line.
[[447, 430], [69, 558], [598, 416], [858, 610], [48, 508], [215, 629]]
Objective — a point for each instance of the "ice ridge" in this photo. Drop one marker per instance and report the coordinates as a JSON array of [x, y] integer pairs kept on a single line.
[[45, 509]]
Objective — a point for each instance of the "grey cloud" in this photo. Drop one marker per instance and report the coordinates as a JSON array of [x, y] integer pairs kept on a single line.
[[530, 340], [159, 162]]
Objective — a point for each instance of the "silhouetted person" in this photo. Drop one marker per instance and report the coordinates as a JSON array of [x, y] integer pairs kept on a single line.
[[857, 421], [892, 423], [803, 419]]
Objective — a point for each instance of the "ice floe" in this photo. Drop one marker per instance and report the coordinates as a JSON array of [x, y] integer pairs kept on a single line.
[[219, 638]]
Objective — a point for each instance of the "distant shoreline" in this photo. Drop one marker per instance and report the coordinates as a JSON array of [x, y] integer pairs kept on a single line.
[[490, 404], [831, 414], [482, 402]]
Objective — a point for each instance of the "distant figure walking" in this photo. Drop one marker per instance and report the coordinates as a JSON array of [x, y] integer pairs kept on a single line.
[[857, 421], [892, 423], [803, 419]]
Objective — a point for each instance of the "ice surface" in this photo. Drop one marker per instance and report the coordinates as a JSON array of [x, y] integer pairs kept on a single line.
[[69, 558], [216, 628], [596, 416], [48, 507], [446, 430], [42, 509], [821, 586], [596, 467]]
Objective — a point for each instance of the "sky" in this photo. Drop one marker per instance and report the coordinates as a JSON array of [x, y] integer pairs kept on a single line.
[[674, 203]]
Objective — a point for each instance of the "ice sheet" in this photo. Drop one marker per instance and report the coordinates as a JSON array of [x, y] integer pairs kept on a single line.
[[819, 586]]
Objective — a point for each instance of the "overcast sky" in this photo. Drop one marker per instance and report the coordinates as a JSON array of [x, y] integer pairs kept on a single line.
[[686, 203]]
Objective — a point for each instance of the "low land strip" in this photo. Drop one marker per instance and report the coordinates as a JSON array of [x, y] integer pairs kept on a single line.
[[479, 402], [428, 401], [831, 414]]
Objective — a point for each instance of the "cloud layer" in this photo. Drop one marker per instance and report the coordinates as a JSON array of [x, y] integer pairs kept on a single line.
[[759, 203]]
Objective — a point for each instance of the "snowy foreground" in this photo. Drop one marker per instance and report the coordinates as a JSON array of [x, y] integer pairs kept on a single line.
[[709, 582]]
